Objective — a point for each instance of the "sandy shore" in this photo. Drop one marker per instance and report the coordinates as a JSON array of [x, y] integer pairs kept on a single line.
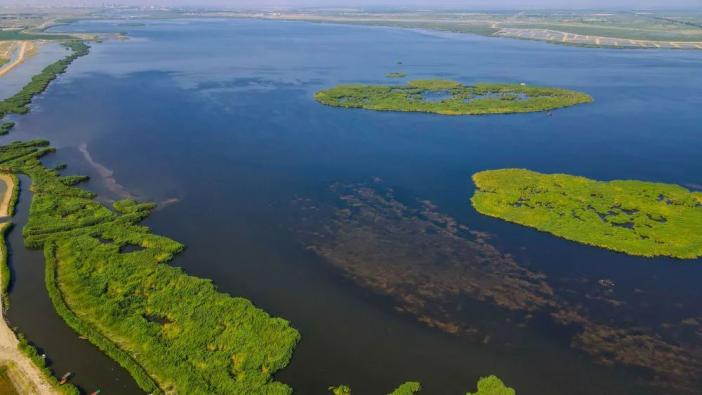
[[23, 373], [25, 48], [7, 196]]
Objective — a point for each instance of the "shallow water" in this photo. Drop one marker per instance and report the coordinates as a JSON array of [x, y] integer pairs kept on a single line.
[[215, 119]]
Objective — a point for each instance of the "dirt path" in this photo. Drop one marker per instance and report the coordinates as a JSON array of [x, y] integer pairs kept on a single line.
[[7, 196], [25, 375], [24, 48]]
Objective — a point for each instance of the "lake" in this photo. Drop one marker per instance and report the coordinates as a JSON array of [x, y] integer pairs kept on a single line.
[[216, 121]]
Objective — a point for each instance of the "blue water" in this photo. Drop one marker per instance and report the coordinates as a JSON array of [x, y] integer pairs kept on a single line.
[[216, 119]]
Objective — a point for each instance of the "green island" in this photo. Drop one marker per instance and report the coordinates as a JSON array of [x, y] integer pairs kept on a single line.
[[448, 97], [108, 278], [490, 385], [634, 217], [19, 103], [396, 75], [5, 128]]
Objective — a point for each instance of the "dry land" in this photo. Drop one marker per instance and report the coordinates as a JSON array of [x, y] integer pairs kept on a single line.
[[671, 30]]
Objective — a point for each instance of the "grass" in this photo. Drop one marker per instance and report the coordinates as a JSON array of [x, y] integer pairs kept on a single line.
[[454, 98], [19, 103], [173, 332], [634, 217]]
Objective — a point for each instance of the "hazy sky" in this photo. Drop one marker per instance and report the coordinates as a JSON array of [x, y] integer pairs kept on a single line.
[[479, 4]]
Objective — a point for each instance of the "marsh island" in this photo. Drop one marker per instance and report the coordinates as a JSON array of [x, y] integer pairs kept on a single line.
[[634, 217], [448, 97]]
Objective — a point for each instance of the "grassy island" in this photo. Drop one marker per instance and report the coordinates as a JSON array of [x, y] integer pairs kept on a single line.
[[634, 217], [108, 278], [5, 128], [19, 103], [451, 98]]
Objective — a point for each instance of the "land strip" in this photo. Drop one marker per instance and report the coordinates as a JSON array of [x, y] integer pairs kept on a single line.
[[24, 48], [595, 29], [558, 37]]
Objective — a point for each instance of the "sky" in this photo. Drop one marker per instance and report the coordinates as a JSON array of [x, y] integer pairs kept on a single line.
[[463, 4]]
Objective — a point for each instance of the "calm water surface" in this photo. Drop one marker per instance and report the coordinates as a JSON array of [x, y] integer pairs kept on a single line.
[[215, 119]]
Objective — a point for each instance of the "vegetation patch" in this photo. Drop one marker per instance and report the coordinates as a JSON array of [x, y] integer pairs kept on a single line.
[[634, 217], [396, 75], [492, 385], [6, 385], [458, 99], [19, 103], [5, 128], [4, 267], [203, 342], [407, 388]]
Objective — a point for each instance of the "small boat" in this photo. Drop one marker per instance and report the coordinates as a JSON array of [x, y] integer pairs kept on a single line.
[[65, 378]]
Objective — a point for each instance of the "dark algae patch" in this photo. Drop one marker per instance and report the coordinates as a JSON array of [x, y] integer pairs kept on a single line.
[[171, 331], [456, 98], [431, 267], [634, 217]]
